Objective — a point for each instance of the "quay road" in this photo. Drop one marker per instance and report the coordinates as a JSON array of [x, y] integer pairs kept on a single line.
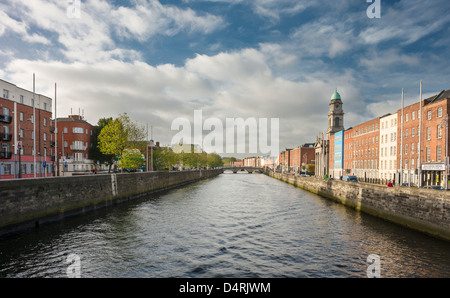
[[234, 225]]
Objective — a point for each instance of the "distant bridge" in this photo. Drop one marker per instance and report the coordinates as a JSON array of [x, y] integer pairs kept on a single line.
[[243, 169]]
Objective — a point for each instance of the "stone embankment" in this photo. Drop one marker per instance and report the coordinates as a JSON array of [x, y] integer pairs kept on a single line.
[[424, 210], [28, 203]]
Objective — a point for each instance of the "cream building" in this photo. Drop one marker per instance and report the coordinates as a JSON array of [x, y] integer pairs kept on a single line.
[[388, 147]]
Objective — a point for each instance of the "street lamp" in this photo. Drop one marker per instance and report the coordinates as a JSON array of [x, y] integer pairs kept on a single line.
[[445, 122]]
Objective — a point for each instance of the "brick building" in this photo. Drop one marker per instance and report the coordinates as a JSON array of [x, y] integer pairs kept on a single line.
[[365, 145], [25, 133], [301, 157], [434, 140], [74, 140]]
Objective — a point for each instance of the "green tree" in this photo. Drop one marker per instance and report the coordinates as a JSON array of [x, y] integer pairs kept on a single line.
[[120, 134], [113, 138], [214, 160], [131, 159], [94, 151]]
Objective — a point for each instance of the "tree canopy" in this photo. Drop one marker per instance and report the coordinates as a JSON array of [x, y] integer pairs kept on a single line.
[[120, 134]]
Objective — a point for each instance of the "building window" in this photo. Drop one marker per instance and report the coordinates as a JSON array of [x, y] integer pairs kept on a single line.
[[77, 130], [45, 106], [428, 133], [406, 133], [45, 136], [413, 115], [21, 116], [21, 99], [412, 148], [406, 148], [428, 154], [406, 118], [5, 94], [45, 121], [439, 112], [336, 122], [32, 102], [438, 153], [66, 144], [413, 132], [66, 130], [21, 133], [439, 131], [429, 115]]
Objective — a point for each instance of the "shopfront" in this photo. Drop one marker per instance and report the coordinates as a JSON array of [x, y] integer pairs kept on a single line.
[[433, 174]]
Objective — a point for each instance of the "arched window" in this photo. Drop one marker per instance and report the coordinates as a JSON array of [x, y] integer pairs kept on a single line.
[[336, 121]]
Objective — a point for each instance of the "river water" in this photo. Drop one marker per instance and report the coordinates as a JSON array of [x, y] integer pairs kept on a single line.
[[232, 226]]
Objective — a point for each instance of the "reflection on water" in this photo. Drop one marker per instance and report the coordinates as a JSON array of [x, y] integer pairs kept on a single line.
[[235, 225]]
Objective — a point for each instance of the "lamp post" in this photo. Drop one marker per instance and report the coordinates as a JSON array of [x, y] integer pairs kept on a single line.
[[34, 128], [445, 122]]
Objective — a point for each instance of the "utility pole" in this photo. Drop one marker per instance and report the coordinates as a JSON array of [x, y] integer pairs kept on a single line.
[[419, 184], [34, 127], [400, 180], [56, 139]]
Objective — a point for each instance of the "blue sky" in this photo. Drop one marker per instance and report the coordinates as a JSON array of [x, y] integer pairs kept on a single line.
[[159, 60]]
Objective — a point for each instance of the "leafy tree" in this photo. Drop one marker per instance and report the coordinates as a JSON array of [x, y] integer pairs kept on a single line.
[[120, 134], [113, 138], [214, 160], [131, 159], [164, 159], [94, 151]]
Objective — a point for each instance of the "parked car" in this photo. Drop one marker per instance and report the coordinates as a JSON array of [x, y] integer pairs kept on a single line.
[[350, 178], [438, 187]]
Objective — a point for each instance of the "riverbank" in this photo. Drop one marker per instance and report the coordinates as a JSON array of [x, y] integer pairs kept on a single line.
[[29, 203], [424, 210]]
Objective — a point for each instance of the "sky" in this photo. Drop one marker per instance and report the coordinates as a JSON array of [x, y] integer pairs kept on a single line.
[[159, 61]]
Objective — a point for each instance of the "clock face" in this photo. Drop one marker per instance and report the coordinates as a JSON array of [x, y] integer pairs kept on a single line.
[[336, 105]]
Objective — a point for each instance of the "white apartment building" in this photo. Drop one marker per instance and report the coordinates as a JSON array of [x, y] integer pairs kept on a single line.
[[388, 147]]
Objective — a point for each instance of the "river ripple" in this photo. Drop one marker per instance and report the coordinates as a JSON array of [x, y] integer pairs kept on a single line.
[[235, 225]]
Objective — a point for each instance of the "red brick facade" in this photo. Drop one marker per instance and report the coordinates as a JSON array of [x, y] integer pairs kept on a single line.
[[74, 140], [16, 125]]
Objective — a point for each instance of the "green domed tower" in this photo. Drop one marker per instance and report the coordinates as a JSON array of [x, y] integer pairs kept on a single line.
[[336, 114]]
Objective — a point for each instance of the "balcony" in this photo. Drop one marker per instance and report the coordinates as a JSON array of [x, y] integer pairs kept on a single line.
[[78, 148], [52, 143], [5, 137], [5, 154], [5, 118]]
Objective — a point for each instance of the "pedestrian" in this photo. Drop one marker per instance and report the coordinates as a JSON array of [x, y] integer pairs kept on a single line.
[[389, 184]]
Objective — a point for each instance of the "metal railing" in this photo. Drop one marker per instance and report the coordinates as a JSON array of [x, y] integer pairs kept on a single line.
[[5, 154], [5, 118]]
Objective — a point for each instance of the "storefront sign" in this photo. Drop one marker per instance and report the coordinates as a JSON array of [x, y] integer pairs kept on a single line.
[[433, 167]]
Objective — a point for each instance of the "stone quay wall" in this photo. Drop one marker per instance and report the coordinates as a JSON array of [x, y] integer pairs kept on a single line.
[[28, 203], [424, 210]]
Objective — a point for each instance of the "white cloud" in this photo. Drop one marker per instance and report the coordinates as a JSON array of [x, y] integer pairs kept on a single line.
[[9, 24], [407, 22], [322, 38], [90, 38], [227, 85], [383, 60]]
